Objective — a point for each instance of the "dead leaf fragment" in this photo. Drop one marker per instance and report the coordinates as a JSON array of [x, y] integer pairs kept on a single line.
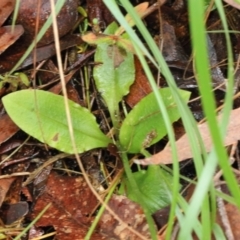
[[13, 212], [183, 146], [5, 184], [28, 15], [140, 88], [7, 128], [233, 3], [130, 212], [72, 202], [6, 7], [9, 35]]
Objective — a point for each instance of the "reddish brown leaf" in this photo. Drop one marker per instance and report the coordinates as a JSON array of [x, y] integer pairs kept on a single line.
[[98, 10], [10, 213], [6, 7], [9, 145], [183, 146], [233, 3], [73, 94], [28, 14], [9, 35], [131, 213], [140, 88], [233, 215], [12, 55], [72, 202], [7, 128], [5, 184]]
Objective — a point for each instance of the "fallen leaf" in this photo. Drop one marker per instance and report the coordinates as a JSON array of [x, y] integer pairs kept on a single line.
[[32, 18], [9, 35], [10, 213], [5, 184], [140, 88], [7, 128], [233, 216], [6, 7], [72, 202], [130, 212], [9, 145], [10, 57], [183, 146], [233, 3]]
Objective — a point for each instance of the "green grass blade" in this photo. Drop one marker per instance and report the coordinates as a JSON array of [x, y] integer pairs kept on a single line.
[[208, 102], [185, 113]]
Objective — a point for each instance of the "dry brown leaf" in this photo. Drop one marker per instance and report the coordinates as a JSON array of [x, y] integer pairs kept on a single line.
[[5, 184], [72, 202], [11, 213], [233, 215], [9, 35], [233, 3], [29, 17], [6, 7], [140, 88], [183, 146], [7, 128], [130, 212]]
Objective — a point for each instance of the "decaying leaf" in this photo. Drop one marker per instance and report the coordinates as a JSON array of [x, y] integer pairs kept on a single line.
[[130, 212], [6, 7], [140, 88], [30, 17], [72, 202], [183, 146], [5, 184], [7, 128], [8, 34], [10, 213], [234, 3], [12, 55]]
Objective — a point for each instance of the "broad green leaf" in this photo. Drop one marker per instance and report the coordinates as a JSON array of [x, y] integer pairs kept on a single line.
[[154, 185], [114, 73], [42, 115], [144, 125]]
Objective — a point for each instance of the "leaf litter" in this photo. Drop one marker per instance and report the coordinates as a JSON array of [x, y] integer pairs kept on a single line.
[[71, 224], [183, 146], [72, 202]]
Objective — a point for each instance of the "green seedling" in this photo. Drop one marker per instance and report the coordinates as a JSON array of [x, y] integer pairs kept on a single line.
[[142, 127], [117, 37], [16, 81]]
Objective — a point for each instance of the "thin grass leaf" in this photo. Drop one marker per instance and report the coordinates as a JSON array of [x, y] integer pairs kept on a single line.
[[140, 10]]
